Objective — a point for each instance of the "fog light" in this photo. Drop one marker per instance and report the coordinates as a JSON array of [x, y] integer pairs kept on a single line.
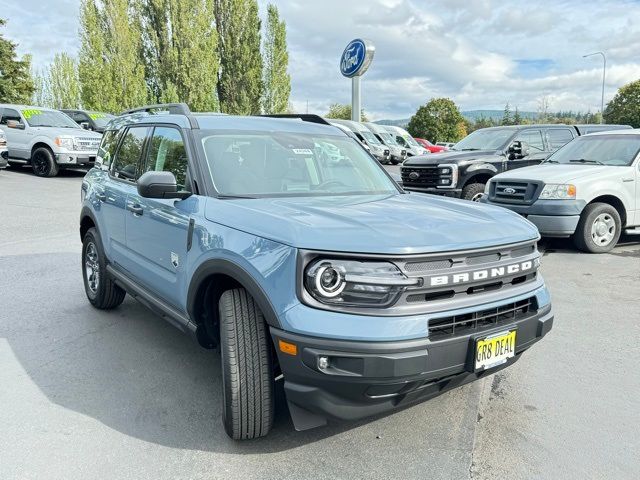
[[323, 363]]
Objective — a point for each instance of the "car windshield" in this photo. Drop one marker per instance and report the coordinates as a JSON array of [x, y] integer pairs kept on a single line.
[[268, 164], [485, 139], [101, 119], [48, 118], [613, 150], [388, 138], [410, 140], [370, 137]]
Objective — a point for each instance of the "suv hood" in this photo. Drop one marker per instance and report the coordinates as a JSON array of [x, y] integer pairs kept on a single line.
[[557, 173], [68, 132], [385, 224], [450, 157]]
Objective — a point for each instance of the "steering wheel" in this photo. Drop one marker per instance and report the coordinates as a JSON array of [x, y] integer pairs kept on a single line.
[[326, 183]]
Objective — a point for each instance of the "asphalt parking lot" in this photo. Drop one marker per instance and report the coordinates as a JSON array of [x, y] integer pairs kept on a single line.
[[88, 394]]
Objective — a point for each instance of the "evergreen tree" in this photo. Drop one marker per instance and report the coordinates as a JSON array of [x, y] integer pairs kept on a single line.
[[16, 84], [506, 116], [110, 70], [517, 118], [277, 82], [240, 84], [180, 51]]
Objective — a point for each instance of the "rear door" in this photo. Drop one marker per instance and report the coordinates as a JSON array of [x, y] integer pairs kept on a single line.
[[157, 232], [123, 173], [18, 140]]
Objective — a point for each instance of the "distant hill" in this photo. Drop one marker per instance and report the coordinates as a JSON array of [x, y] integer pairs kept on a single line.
[[472, 115]]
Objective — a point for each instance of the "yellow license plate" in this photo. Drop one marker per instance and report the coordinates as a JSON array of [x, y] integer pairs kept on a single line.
[[495, 350]]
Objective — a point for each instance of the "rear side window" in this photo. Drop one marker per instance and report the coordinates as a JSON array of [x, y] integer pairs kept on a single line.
[[533, 139], [126, 161], [167, 154], [107, 147], [558, 137]]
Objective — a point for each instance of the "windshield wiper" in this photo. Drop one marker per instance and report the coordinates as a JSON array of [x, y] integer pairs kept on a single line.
[[231, 197], [584, 160], [468, 149], [550, 161]]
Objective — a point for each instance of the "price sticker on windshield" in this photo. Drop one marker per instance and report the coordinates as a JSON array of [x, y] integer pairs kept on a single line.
[[31, 112], [302, 151]]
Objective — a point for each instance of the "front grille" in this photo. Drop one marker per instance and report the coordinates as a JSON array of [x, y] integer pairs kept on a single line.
[[513, 192], [87, 143], [424, 177], [482, 319]]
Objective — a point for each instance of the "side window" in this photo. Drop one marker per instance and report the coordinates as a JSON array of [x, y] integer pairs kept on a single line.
[[533, 139], [79, 117], [558, 137], [107, 147], [10, 114], [167, 153], [126, 161]]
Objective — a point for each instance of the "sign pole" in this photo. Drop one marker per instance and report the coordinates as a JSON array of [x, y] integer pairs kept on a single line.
[[356, 102]]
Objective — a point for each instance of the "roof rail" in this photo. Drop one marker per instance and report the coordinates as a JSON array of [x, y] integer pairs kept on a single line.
[[305, 117], [172, 108]]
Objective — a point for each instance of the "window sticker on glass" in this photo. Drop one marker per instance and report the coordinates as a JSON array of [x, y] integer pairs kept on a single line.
[[95, 116], [31, 112], [302, 151]]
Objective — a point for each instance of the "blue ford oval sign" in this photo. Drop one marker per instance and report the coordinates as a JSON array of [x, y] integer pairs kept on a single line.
[[356, 58]]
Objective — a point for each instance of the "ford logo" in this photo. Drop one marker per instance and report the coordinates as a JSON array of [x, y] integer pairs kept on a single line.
[[414, 175], [356, 58], [509, 191]]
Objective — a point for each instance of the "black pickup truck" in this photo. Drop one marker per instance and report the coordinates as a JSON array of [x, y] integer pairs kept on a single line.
[[464, 170]]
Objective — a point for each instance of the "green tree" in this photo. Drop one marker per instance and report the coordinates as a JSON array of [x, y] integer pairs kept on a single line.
[[439, 120], [277, 82], [625, 106], [343, 111], [180, 51], [16, 84], [507, 119], [62, 83], [240, 85], [110, 70], [517, 118]]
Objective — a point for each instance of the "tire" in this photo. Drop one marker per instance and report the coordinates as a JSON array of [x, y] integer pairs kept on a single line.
[[44, 163], [247, 370], [394, 161], [473, 191], [101, 290], [599, 228]]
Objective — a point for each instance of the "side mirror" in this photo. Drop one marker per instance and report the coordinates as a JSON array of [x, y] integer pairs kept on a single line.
[[518, 149], [160, 185], [85, 125], [15, 124]]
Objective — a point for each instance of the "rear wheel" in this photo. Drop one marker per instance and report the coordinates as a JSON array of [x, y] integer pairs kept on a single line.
[[44, 163], [473, 191], [247, 372], [101, 290], [599, 228]]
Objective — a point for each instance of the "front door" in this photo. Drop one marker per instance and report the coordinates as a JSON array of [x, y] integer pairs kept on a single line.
[[18, 140], [537, 152], [157, 233]]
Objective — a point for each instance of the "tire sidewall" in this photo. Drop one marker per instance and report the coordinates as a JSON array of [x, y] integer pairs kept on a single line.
[[586, 223], [52, 165], [471, 190], [92, 237]]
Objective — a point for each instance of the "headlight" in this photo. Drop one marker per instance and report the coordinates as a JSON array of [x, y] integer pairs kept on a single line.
[[356, 283], [554, 191], [64, 142], [447, 175]]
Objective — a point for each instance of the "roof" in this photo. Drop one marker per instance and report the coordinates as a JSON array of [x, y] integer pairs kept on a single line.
[[26, 107], [533, 125], [618, 131]]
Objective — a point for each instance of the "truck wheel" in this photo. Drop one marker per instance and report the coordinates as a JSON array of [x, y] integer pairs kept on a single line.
[[473, 191], [393, 161], [247, 374], [101, 290], [43, 163], [599, 228]]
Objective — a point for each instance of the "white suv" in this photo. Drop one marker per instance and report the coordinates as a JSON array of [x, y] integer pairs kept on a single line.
[[588, 189], [46, 139]]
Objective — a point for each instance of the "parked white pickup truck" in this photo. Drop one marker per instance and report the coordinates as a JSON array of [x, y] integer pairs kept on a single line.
[[588, 189]]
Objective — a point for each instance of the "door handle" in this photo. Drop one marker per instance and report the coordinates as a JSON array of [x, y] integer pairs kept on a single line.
[[135, 208], [627, 179], [101, 196]]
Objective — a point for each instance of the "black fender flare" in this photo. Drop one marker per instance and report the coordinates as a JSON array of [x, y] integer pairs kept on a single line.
[[478, 169], [240, 275], [86, 212]]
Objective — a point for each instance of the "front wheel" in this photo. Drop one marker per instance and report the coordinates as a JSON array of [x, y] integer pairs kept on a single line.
[[473, 192], [599, 228], [247, 370], [44, 163]]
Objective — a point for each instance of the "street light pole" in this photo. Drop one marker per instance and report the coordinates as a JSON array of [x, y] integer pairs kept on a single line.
[[604, 72]]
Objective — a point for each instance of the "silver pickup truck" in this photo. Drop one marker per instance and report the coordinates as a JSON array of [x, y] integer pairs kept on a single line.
[[46, 139]]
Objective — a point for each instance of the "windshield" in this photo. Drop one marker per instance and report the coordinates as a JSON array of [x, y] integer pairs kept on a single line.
[[48, 118], [410, 140], [370, 137], [388, 138], [485, 139], [101, 119], [260, 164], [613, 150]]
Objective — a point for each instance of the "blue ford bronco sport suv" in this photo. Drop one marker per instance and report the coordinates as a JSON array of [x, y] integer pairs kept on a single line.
[[316, 270]]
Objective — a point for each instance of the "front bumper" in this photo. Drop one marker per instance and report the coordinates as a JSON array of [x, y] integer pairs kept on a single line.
[[447, 192], [369, 378], [82, 158], [554, 218]]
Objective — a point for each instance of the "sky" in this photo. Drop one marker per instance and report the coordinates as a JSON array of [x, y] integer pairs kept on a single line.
[[480, 53]]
